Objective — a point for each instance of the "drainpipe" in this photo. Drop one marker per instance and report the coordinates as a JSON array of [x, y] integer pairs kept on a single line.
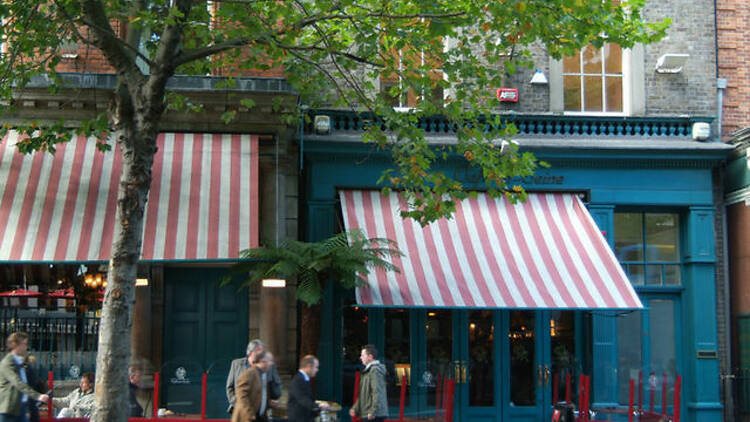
[[727, 377], [721, 85]]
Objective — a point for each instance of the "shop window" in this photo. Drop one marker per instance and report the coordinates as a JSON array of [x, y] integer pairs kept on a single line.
[[647, 350], [648, 247], [354, 336], [396, 355], [593, 80]]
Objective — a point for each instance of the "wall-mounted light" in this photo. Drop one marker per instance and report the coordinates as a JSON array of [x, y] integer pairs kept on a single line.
[[671, 63], [538, 78], [322, 124], [275, 283], [141, 282]]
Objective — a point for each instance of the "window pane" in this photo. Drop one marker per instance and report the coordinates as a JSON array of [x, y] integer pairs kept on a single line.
[[439, 337], [636, 275], [654, 275], [663, 359], [614, 93], [629, 352], [662, 237], [592, 60], [481, 372], [353, 338], [592, 93], [572, 64], [629, 236], [522, 358], [613, 59], [572, 92], [672, 275], [397, 357]]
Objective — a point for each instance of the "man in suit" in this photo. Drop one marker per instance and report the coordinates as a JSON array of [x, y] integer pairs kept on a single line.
[[301, 407], [251, 391], [241, 365]]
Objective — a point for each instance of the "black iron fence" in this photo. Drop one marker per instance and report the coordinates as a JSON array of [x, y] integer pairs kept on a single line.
[[64, 344]]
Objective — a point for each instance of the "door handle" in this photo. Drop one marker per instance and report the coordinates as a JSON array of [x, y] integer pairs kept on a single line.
[[457, 371], [546, 375], [539, 375], [463, 372]]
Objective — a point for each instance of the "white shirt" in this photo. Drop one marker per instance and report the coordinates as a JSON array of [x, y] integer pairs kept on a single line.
[[304, 375], [22, 374]]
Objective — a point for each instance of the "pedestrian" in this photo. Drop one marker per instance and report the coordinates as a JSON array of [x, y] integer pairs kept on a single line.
[[372, 403], [80, 402], [134, 377], [240, 365], [15, 391], [301, 406], [251, 391]]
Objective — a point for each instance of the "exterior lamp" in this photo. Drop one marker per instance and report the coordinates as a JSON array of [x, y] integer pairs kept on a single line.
[[275, 283], [538, 78]]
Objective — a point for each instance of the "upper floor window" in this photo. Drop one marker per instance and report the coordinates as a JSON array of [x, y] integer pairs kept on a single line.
[[593, 80], [648, 247]]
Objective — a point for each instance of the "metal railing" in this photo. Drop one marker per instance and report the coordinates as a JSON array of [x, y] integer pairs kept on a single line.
[[64, 344]]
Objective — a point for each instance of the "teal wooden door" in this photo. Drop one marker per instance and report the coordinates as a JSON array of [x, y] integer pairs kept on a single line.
[[205, 327]]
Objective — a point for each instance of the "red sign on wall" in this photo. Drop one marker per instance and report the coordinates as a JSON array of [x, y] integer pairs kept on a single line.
[[507, 94]]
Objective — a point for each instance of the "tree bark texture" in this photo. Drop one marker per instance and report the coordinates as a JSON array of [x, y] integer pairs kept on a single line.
[[137, 144]]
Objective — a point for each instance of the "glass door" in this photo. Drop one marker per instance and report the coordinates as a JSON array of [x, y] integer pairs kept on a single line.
[[477, 366]]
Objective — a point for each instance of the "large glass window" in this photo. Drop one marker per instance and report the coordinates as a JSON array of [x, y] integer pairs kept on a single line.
[[353, 338], [397, 353], [593, 80], [648, 247]]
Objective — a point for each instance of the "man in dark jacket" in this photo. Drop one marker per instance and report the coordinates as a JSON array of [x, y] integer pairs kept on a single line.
[[301, 407], [372, 403]]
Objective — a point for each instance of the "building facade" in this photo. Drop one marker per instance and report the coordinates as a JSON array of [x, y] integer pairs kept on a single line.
[[617, 129]]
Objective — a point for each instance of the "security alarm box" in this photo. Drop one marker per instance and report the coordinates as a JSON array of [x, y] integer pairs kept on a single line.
[[507, 94]]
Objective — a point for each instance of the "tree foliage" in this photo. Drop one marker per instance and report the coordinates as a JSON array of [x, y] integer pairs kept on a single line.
[[333, 52]]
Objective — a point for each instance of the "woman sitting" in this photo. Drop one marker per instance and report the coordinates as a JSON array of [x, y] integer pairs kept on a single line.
[[80, 402]]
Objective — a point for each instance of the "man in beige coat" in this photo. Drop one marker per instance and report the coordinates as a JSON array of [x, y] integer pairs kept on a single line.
[[15, 393], [251, 391]]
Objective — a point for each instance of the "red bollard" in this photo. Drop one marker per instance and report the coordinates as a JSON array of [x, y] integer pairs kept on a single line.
[[203, 395], [451, 387], [640, 391], [555, 386], [50, 387], [356, 393], [677, 389], [155, 405]]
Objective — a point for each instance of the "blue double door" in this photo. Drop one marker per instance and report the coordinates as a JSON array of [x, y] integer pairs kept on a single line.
[[503, 361]]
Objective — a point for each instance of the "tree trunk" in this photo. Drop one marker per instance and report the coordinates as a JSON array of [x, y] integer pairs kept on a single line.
[[138, 146], [309, 329]]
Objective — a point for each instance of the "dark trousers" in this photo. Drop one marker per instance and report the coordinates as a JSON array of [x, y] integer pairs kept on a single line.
[[5, 417]]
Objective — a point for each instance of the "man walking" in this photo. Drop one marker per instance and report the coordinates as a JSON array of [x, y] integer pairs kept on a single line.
[[251, 391], [301, 407], [372, 403], [15, 392], [240, 365]]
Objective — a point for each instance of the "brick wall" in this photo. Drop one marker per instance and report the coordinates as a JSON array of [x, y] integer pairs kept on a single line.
[[733, 17]]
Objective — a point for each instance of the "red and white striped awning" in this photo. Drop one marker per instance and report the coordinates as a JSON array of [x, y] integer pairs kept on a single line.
[[203, 202], [544, 253]]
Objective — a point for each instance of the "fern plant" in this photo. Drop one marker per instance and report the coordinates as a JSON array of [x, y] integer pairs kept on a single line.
[[345, 258]]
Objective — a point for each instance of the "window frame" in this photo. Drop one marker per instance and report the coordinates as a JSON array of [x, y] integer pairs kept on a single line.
[[645, 262], [624, 76], [633, 89]]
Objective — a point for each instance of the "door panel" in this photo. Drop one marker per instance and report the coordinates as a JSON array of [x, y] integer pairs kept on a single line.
[[205, 327]]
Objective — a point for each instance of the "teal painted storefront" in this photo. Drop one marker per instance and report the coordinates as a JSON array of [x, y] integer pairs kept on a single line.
[[615, 177]]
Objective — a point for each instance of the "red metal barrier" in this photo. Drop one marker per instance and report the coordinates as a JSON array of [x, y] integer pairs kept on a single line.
[[677, 390], [50, 387], [631, 400], [203, 395], [356, 394], [155, 406], [449, 405], [555, 381]]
